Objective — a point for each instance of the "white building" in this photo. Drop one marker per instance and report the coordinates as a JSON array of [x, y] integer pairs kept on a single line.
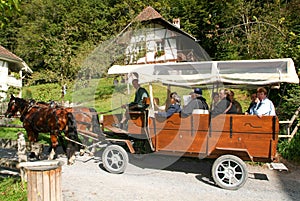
[[11, 71], [152, 39]]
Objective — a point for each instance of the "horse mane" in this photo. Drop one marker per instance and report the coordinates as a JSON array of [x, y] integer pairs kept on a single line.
[[22, 102]]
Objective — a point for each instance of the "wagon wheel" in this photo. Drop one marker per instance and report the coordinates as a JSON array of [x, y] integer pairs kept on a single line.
[[229, 172], [115, 159]]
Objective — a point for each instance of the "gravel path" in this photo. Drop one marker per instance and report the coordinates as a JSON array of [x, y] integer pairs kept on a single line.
[[186, 179]]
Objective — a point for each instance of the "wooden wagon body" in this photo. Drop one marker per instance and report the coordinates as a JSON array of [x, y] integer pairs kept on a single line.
[[198, 135], [230, 139]]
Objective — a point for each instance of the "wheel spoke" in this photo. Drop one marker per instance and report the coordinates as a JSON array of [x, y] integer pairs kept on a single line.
[[223, 166], [234, 180]]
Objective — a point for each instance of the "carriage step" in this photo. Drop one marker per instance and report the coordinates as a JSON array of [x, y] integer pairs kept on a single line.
[[277, 166]]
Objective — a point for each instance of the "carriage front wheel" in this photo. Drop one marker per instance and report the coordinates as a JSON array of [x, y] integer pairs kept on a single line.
[[229, 172], [115, 159]]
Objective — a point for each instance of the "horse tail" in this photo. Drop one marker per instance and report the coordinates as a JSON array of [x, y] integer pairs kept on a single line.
[[72, 127], [73, 135], [96, 123]]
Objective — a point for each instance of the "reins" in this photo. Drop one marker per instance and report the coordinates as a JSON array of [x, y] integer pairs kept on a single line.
[[74, 141], [109, 110]]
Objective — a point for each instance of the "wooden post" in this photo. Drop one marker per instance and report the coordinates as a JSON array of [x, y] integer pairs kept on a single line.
[[43, 180], [22, 155]]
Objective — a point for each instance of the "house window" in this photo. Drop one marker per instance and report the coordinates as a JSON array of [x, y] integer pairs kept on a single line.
[[160, 45]]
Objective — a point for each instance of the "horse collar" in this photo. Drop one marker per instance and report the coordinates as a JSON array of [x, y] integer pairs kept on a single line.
[[24, 112]]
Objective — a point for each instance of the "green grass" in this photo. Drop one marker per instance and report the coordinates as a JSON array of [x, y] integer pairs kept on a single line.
[[12, 189], [11, 133]]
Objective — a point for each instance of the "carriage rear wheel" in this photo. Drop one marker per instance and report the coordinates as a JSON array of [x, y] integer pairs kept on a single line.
[[229, 172], [115, 159]]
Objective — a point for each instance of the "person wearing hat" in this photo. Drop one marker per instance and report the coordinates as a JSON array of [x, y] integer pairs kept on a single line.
[[173, 108], [197, 102]]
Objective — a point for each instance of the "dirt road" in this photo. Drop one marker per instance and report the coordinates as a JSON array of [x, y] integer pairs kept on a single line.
[[186, 179]]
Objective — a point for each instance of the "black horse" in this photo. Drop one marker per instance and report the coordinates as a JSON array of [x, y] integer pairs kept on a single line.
[[41, 119]]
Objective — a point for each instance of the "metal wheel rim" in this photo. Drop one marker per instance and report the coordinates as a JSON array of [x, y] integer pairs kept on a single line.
[[230, 173], [115, 159]]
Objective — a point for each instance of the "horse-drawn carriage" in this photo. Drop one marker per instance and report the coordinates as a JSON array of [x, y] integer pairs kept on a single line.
[[230, 139]]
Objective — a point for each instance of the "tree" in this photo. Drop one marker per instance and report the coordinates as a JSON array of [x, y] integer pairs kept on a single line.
[[50, 34], [58, 36], [8, 8]]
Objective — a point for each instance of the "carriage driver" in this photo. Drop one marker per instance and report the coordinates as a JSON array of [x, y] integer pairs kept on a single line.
[[136, 105]]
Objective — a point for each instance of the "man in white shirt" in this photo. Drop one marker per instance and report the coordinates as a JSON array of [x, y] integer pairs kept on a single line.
[[263, 106]]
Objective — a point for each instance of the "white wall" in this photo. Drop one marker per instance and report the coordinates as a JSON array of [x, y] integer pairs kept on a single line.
[[3, 75], [7, 80], [152, 40]]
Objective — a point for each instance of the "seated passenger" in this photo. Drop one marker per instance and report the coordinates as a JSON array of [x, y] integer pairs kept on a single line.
[[215, 100], [225, 106], [197, 102], [238, 106], [264, 106], [252, 104], [136, 105], [173, 108]]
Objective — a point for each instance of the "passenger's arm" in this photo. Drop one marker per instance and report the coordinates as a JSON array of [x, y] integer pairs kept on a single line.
[[171, 110]]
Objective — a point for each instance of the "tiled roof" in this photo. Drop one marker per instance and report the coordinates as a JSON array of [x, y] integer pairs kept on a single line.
[[4, 53], [148, 14], [18, 63]]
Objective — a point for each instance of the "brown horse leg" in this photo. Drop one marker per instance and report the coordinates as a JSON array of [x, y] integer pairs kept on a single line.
[[54, 144], [62, 142], [71, 133], [71, 153], [32, 137]]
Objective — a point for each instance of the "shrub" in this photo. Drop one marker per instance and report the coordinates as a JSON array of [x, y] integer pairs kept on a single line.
[[290, 150]]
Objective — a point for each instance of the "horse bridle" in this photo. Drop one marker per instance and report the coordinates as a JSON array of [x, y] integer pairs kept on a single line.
[[24, 111]]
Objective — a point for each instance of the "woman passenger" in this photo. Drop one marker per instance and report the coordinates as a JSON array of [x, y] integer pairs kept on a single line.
[[225, 106], [215, 100], [173, 108]]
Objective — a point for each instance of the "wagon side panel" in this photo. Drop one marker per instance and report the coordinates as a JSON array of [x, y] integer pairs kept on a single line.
[[256, 136], [176, 134]]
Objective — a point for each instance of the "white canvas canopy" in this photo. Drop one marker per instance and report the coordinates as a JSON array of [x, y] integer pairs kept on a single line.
[[237, 72]]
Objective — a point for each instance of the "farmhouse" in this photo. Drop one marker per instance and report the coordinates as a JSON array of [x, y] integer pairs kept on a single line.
[[152, 39], [11, 71]]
